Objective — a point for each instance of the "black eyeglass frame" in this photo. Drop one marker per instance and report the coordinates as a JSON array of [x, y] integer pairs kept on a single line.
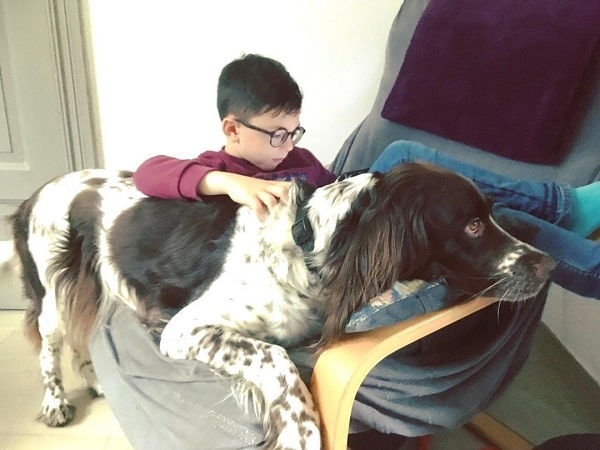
[[295, 135]]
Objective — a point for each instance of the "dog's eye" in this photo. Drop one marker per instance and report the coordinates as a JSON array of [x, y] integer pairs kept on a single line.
[[475, 228]]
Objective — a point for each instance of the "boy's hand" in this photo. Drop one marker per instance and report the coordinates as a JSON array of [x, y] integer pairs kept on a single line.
[[260, 195]]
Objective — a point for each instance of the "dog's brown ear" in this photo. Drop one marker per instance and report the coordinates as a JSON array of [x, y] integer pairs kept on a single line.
[[379, 242]]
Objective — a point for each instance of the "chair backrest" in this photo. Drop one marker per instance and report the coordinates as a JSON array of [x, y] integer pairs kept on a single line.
[[581, 164]]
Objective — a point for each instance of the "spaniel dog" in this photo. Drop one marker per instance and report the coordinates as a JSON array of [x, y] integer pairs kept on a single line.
[[246, 289]]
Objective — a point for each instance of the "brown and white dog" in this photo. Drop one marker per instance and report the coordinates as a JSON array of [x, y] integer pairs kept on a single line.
[[248, 289]]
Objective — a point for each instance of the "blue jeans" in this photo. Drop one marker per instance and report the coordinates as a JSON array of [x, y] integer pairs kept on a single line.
[[534, 212]]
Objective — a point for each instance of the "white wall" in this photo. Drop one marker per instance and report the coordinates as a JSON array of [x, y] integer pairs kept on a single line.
[[157, 65], [575, 321]]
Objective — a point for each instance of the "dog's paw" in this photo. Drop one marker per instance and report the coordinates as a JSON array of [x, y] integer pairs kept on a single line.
[[95, 392], [57, 415]]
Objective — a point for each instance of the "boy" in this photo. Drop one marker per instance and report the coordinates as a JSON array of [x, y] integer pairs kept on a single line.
[[259, 105]]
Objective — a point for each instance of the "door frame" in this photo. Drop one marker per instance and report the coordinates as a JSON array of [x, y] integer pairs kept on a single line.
[[77, 112], [73, 55]]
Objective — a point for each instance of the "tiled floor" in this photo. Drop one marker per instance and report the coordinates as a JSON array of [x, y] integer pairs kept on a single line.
[[95, 427], [552, 396]]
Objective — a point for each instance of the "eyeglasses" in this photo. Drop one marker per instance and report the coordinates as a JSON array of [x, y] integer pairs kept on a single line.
[[280, 135]]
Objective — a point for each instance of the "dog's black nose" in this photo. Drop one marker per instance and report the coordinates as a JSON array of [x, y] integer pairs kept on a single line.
[[543, 267]]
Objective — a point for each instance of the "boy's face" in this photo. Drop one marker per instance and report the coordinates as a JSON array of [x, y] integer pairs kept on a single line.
[[255, 146]]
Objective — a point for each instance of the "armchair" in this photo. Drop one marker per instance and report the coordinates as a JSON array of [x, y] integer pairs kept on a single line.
[[481, 345], [341, 369]]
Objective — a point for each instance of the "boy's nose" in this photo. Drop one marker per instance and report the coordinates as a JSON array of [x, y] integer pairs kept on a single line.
[[287, 145]]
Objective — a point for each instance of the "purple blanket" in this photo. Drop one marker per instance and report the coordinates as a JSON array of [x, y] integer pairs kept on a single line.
[[500, 75]]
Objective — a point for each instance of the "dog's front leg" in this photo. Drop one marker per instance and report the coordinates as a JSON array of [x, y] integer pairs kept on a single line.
[[290, 417]]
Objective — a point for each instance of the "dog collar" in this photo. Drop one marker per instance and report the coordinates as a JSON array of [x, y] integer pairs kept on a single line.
[[302, 230]]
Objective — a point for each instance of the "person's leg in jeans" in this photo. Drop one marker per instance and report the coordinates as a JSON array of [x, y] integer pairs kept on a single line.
[[579, 258]]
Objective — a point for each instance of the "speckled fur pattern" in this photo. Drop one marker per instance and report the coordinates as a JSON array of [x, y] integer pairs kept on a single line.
[[243, 290]]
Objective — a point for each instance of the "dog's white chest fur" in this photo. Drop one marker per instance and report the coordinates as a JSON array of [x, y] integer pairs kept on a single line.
[[265, 289]]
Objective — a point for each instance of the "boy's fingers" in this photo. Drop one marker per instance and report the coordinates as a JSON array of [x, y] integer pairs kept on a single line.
[[280, 190], [269, 200], [266, 199]]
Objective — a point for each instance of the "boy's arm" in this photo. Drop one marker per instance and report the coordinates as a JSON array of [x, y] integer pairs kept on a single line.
[[168, 177], [260, 195], [172, 178]]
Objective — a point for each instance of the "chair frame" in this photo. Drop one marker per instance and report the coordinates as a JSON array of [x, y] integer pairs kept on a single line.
[[342, 367]]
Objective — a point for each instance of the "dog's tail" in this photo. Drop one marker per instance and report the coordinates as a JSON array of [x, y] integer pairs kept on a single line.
[[22, 263], [14, 284]]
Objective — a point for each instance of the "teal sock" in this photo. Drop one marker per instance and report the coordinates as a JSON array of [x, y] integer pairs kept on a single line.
[[585, 212]]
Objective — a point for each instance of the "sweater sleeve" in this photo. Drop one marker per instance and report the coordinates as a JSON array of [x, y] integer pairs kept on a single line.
[[168, 177]]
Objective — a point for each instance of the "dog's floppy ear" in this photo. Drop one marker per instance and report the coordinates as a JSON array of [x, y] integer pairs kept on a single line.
[[380, 241]]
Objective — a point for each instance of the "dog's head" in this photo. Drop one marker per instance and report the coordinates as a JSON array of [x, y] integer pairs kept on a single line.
[[466, 245], [422, 221]]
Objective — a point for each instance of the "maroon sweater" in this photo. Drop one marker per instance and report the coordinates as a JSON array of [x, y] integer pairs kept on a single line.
[[168, 177]]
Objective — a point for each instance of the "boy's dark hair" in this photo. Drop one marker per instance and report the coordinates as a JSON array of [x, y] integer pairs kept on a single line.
[[255, 84]]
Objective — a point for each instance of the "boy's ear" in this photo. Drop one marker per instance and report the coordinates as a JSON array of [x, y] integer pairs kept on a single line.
[[230, 127]]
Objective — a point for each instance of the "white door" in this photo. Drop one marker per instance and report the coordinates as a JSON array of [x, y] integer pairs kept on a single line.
[[46, 109]]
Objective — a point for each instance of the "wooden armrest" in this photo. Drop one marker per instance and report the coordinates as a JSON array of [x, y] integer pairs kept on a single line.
[[341, 368]]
